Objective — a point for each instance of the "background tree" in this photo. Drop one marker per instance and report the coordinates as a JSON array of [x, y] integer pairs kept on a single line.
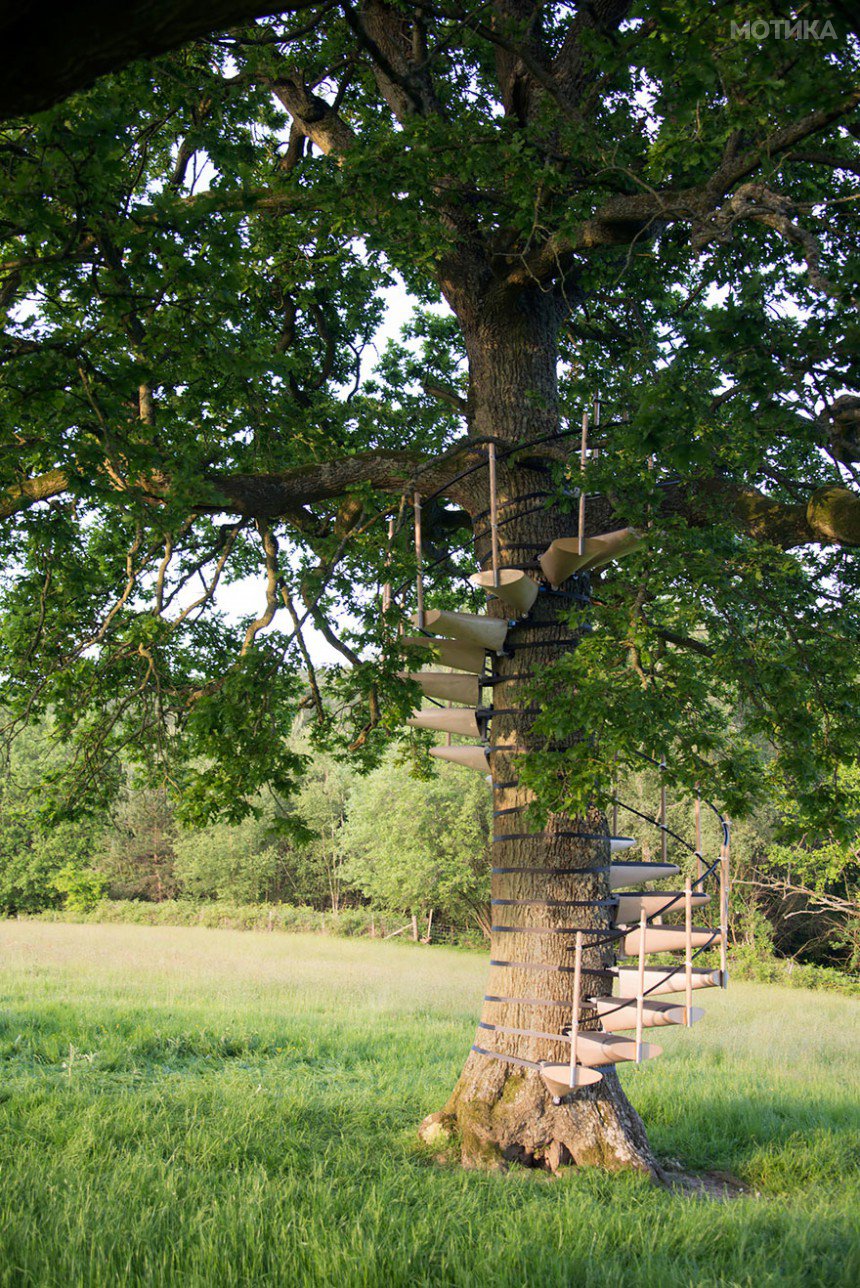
[[606, 196], [417, 847], [322, 804], [31, 853], [237, 861], [136, 854]]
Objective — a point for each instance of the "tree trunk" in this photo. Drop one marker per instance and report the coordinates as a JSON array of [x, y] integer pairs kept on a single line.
[[500, 1110]]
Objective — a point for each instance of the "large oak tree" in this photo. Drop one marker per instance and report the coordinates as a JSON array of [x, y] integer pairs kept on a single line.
[[630, 199]]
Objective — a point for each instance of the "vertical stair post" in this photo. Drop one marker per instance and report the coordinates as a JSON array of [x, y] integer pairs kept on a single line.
[[582, 451], [386, 589], [615, 798], [574, 1021], [419, 575], [494, 514], [724, 908], [640, 989], [698, 815], [664, 839], [688, 952]]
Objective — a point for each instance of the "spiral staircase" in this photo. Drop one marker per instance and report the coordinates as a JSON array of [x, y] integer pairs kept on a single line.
[[467, 644]]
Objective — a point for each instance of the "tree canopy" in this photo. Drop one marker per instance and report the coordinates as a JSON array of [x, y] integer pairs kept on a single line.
[[195, 254]]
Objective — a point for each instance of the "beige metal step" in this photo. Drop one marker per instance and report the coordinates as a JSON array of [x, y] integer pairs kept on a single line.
[[515, 588], [596, 1049], [459, 720], [455, 653], [563, 559], [627, 874], [663, 979], [617, 1014], [557, 1078], [445, 686], [488, 632], [668, 939], [630, 906], [469, 757]]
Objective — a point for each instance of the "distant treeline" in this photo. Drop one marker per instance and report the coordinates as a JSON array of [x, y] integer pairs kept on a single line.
[[387, 850]]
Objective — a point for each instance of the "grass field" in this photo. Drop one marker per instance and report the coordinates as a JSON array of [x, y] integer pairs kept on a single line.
[[189, 1107]]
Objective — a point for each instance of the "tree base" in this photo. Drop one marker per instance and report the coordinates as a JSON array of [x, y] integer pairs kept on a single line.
[[498, 1116]]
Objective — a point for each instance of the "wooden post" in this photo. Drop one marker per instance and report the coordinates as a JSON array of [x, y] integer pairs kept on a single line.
[[664, 838], [688, 952], [574, 1019], [640, 990], [419, 577], [582, 452], [494, 516], [615, 799], [697, 809], [724, 909], [386, 589]]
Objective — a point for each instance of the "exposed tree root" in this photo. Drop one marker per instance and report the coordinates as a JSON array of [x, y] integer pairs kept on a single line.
[[499, 1117]]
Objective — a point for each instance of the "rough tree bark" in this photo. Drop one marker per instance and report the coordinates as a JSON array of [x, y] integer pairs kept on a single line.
[[501, 1112]]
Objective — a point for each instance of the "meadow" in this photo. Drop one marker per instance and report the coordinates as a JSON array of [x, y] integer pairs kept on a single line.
[[187, 1106]]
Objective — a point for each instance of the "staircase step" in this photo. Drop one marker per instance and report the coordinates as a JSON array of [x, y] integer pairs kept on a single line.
[[459, 720], [445, 686], [596, 1049], [563, 559], [557, 1078], [626, 874], [488, 632], [515, 588], [454, 653], [470, 757], [630, 906], [662, 979], [617, 843], [617, 1014], [668, 939]]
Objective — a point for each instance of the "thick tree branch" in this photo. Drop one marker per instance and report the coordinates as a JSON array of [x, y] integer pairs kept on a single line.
[[53, 50], [20, 496], [624, 219], [311, 114], [829, 516]]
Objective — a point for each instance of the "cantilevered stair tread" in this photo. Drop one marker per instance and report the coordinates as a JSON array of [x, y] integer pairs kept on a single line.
[[596, 1049], [469, 757], [488, 632], [459, 720], [617, 843], [627, 874], [616, 1013], [456, 653], [515, 588], [557, 1078], [631, 906], [446, 686], [668, 939], [661, 979], [562, 559]]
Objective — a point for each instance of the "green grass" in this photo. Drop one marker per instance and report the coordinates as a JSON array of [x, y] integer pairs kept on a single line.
[[187, 1106]]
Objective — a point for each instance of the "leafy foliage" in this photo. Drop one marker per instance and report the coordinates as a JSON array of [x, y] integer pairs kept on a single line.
[[194, 258], [416, 846]]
